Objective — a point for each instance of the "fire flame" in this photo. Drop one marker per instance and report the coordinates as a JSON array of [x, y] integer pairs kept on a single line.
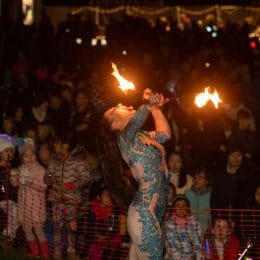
[[204, 97], [124, 84]]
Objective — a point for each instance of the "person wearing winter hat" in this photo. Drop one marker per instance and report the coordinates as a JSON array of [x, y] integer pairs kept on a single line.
[[27, 145], [6, 143], [7, 192], [31, 199], [6, 155], [182, 232]]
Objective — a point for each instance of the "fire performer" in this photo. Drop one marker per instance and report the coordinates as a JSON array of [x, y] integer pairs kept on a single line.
[[145, 155]]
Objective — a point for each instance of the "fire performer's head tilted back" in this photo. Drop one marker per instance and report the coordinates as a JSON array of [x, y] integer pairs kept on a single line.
[[145, 155]]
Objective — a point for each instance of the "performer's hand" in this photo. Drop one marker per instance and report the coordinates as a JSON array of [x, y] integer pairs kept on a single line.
[[154, 99]]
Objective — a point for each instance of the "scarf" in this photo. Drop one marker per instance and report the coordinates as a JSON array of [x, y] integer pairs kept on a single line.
[[182, 222]]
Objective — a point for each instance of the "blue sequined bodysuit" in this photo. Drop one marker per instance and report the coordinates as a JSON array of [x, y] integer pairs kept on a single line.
[[145, 156]]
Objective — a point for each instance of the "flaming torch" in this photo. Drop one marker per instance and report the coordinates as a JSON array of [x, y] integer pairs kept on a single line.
[[204, 97], [124, 84]]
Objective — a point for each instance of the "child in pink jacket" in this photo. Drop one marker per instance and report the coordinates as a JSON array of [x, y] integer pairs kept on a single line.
[[31, 199]]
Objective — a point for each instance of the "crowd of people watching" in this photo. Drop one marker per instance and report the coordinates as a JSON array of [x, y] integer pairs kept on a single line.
[[53, 92]]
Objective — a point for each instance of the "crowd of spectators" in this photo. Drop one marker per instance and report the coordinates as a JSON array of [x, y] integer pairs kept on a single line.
[[53, 92]]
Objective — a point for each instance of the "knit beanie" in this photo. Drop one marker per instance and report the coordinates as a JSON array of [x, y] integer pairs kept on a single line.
[[28, 145], [6, 141]]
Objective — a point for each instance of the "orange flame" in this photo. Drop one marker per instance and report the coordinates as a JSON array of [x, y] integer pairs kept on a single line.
[[204, 97], [124, 85]]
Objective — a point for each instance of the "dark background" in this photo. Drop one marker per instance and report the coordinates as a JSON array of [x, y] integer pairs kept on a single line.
[[149, 2]]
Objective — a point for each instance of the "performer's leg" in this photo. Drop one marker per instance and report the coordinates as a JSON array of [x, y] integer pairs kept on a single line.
[[145, 234]]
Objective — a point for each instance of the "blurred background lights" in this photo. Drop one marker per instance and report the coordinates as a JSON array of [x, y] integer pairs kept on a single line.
[[78, 41], [252, 44], [99, 40], [167, 28], [208, 28], [214, 34]]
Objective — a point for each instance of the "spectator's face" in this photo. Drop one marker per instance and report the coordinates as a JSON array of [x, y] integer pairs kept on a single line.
[[257, 195], [8, 125], [44, 155], [81, 100], [244, 123], [7, 154], [181, 208], [175, 163], [28, 157], [106, 198], [200, 180], [19, 114], [31, 133], [235, 159], [221, 229], [61, 149], [55, 102], [66, 94], [43, 132]]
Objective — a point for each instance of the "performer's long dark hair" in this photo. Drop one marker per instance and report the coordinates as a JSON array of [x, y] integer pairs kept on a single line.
[[114, 168]]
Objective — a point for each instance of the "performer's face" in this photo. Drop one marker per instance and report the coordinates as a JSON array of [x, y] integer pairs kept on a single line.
[[119, 116]]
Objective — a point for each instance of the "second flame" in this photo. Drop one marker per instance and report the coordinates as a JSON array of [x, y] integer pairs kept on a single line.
[[204, 97]]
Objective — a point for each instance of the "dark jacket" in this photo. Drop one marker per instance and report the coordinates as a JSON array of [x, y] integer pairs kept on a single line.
[[230, 191]]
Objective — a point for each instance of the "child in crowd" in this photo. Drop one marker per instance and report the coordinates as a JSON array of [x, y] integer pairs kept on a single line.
[[199, 197], [182, 233], [222, 243], [8, 194], [243, 135], [44, 132], [45, 155], [100, 225], [178, 177], [31, 133], [251, 224], [67, 176], [31, 199]]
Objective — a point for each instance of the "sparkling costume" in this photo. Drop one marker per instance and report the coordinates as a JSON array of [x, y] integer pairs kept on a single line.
[[145, 156]]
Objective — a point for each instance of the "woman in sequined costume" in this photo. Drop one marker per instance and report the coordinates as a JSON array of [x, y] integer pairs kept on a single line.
[[144, 154]]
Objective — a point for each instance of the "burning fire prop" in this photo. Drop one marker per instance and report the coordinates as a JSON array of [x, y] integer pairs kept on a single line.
[[204, 97], [201, 99], [124, 84]]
